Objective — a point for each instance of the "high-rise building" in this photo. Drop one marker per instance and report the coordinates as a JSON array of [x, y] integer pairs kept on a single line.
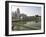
[[18, 13]]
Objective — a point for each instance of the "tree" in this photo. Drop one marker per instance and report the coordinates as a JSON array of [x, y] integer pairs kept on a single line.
[[36, 18], [36, 15]]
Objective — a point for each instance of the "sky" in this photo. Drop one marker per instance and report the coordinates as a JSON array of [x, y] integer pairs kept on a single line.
[[28, 10]]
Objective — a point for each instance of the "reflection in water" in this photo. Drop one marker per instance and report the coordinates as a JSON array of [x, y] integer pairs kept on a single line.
[[23, 25]]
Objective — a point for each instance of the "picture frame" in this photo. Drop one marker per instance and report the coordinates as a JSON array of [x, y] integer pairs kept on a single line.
[[11, 5]]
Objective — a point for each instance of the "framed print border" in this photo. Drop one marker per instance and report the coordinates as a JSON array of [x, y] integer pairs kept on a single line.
[[7, 17]]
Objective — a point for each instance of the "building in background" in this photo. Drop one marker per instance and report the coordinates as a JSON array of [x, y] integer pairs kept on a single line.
[[17, 16]]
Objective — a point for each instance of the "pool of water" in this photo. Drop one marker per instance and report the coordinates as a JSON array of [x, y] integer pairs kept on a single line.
[[30, 25]]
